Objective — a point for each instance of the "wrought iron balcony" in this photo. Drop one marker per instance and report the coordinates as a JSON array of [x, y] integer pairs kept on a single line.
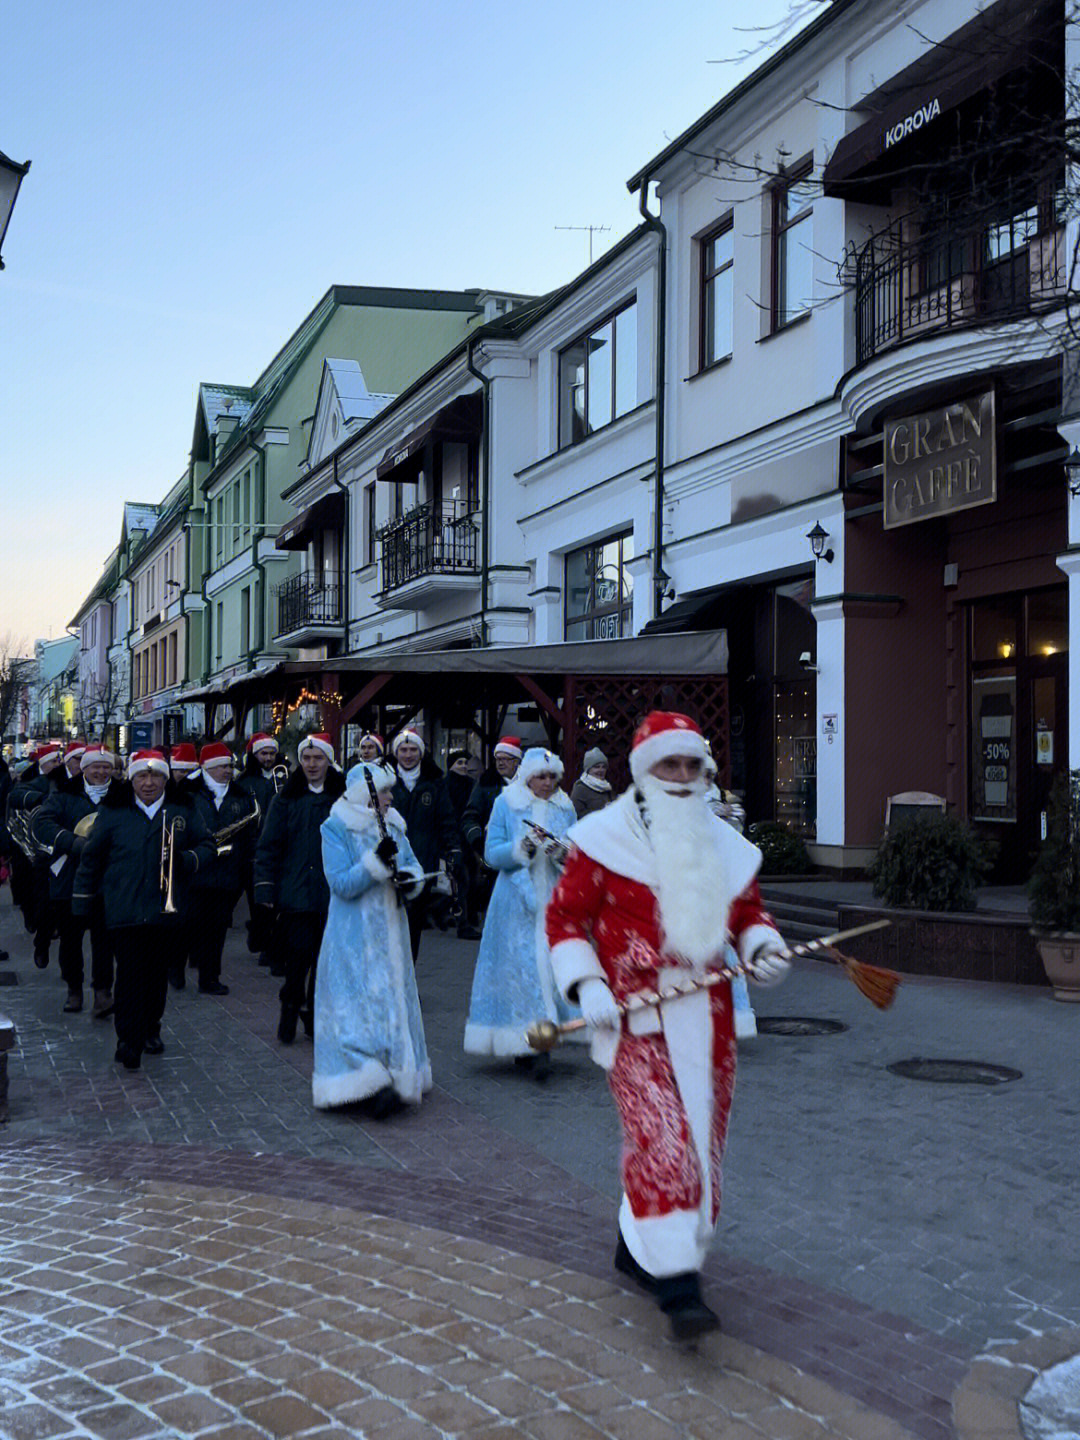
[[309, 601], [906, 288], [427, 544]]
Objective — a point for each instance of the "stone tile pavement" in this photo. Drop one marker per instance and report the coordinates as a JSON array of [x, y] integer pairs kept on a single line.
[[891, 1253]]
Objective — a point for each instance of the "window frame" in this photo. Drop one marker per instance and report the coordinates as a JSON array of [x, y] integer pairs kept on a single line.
[[782, 226], [706, 278], [622, 608], [609, 318]]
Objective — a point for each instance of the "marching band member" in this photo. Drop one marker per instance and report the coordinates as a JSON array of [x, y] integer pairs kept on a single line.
[[53, 827], [369, 1034], [32, 792], [654, 888], [183, 761], [371, 747], [513, 982], [231, 814], [146, 843], [289, 877], [421, 798], [263, 776], [73, 758]]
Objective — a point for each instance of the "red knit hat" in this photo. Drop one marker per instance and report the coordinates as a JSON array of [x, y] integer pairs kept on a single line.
[[148, 760], [183, 757], [214, 753], [261, 741], [509, 745], [661, 734], [319, 741]]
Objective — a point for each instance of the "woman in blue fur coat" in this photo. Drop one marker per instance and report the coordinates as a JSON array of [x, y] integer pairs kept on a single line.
[[369, 1033], [513, 985]]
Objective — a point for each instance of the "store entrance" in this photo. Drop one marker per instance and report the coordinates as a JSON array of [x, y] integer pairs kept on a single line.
[[1018, 708]]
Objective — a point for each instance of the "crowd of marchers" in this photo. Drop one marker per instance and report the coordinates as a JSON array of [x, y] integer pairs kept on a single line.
[[631, 921]]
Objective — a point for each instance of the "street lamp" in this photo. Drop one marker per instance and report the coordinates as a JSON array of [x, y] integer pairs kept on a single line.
[[819, 538], [11, 174]]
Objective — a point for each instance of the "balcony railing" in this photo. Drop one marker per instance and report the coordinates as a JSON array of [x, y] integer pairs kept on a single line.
[[908, 288], [427, 543], [309, 600]]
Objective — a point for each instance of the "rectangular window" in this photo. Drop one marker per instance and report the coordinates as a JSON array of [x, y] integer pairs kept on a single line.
[[598, 377], [173, 657], [219, 626], [792, 238], [219, 530], [246, 503], [235, 514], [599, 590], [369, 524], [245, 620], [716, 296], [153, 669]]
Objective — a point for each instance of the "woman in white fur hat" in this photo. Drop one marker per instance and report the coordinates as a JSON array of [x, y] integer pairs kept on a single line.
[[513, 984]]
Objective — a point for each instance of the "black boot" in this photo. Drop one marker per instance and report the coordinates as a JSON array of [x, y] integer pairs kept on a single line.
[[627, 1265], [307, 1019], [286, 1030], [679, 1297], [383, 1103]]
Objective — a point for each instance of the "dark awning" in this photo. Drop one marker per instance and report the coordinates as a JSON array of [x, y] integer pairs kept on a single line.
[[326, 514], [459, 421], [916, 101], [693, 613]]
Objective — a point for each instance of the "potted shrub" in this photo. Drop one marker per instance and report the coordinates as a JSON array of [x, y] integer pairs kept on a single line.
[[929, 863], [1054, 890]]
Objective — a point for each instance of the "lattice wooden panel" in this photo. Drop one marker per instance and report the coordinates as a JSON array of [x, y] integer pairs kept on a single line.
[[606, 711]]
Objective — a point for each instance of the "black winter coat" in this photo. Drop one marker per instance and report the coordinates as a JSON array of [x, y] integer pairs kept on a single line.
[[52, 827], [288, 861], [227, 873], [430, 822], [474, 821], [121, 861]]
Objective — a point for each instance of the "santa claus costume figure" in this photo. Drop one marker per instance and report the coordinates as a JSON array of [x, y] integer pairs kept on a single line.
[[653, 891], [513, 985]]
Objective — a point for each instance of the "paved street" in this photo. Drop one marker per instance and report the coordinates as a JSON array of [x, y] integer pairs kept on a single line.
[[190, 1249]]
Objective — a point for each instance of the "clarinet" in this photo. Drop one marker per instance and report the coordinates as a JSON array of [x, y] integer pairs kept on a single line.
[[396, 877]]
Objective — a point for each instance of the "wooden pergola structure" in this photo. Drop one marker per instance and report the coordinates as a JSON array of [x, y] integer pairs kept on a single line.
[[587, 693]]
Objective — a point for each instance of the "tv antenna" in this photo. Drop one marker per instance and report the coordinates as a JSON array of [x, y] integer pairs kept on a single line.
[[590, 230]]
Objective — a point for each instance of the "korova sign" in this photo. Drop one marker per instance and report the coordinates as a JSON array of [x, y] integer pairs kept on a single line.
[[913, 122], [940, 461]]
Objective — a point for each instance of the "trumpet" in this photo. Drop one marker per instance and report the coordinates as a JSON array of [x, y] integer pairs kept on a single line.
[[167, 878]]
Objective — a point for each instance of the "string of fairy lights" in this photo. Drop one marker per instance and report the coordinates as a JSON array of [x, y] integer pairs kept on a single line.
[[324, 699]]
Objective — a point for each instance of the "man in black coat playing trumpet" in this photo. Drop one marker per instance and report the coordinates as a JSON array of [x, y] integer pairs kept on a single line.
[[147, 842]]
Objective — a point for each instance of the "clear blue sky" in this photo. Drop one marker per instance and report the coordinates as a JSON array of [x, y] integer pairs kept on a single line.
[[202, 173]]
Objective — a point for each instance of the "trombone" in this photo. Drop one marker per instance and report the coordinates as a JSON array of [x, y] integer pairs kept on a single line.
[[167, 878], [280, 776]]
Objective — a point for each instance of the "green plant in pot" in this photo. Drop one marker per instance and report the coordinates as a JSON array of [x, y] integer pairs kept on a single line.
[[1054, 890]]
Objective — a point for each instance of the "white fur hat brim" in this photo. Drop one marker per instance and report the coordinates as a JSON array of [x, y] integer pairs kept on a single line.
[[661, 747]]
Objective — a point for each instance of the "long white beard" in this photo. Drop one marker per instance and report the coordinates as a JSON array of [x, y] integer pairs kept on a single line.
[[692, 886]]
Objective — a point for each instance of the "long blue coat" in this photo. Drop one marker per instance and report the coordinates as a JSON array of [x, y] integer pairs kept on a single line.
[[513, 985], [369, 1032]]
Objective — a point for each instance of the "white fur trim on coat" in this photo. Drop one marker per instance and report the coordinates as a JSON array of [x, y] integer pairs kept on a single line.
[[573, 961], [375, 867]]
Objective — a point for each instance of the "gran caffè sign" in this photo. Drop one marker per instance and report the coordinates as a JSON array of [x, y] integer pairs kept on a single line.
[[940, 461]]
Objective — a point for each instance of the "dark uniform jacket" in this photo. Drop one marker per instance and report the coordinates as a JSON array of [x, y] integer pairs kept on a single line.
[[226, 872], [52, 828], [288, 862], [260, 784], [430, 822], [478, 811], [6, 783], [122, 859]]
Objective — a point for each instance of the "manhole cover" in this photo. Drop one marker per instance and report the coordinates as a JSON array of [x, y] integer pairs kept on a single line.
[[797, 1025], [955, 1072]]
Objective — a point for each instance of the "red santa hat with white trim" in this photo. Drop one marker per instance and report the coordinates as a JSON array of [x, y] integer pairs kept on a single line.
[[319, 740], [52, 749], [215, 753], [75, 749], [261, 741], [182, 757], [660, 735], [147, 760], [411, 737], [509, 745], [376, 740]]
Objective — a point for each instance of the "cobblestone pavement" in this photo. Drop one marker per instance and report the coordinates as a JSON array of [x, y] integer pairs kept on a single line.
[[192, 1250]]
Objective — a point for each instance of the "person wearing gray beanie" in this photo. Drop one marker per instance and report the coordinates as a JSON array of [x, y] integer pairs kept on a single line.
[[592, 789]]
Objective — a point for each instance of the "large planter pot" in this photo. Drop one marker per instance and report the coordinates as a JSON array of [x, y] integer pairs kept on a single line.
[[1060, 954]]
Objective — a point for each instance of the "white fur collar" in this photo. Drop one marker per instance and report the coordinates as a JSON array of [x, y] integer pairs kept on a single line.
[[361, 818], [520, 799], [615, 837]]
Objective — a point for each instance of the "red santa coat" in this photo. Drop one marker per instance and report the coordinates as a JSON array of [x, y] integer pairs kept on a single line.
[[671, 1069]]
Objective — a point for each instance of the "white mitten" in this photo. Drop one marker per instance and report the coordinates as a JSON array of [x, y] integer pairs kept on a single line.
[[597, 1003], [768, 967]]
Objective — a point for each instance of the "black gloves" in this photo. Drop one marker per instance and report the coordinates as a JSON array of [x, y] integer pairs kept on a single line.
[[386, 851]]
